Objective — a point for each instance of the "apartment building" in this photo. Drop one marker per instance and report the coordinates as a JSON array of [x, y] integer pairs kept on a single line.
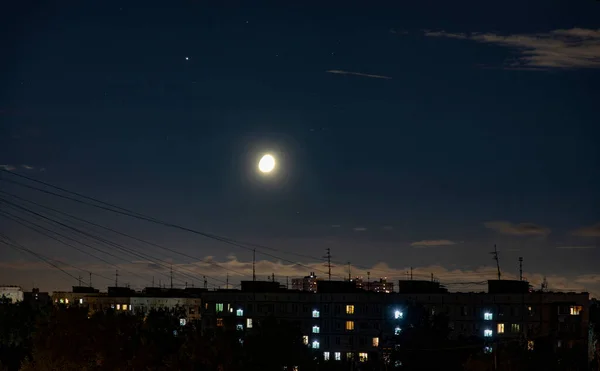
[[349, 324]]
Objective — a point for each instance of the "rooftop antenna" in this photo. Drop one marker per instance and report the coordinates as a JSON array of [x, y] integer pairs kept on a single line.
[[287, 282], [171, 275], [411, 269], [272, 277], [227, 281], [117, 278], [368, 281], [495, 257], [79, 280], [349, 272], [254, 265], [520, 268], [431, 277], [205, 283], [328, 257], [545, 284], [91, 279]]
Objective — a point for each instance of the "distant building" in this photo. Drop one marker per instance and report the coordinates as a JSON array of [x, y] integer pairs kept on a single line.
[[383, 285], [36, 298], [308, 283], [13, 294]]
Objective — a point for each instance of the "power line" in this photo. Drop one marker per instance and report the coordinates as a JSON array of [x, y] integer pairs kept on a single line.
[[126, 212]]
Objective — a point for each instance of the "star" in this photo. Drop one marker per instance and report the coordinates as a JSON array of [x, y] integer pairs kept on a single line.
[[187, 58]]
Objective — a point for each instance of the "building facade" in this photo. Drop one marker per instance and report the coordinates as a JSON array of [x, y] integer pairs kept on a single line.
[[13, 294]]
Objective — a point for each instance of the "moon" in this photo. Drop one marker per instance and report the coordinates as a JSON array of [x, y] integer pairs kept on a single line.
[[266, 164]]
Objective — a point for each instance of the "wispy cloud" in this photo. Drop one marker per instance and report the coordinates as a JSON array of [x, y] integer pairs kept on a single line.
[[8, 167], [576, 247], [521, 229], [558, 49], [27, 167], [341, 72], [359, 229], [432, 243], [14, 167], [588, 231]]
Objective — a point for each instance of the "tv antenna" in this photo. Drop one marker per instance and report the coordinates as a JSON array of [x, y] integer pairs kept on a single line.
[[495, 257]]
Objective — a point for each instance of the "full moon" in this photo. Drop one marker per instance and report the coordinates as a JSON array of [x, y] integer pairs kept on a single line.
[[266, 164]]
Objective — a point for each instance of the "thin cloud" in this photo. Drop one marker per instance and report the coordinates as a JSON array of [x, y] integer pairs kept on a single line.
[[341, 72], [360, 229], [588, 231], [558, 49], [576, 247], [521, 229], [27, 167], [432, 243], [8, 167]]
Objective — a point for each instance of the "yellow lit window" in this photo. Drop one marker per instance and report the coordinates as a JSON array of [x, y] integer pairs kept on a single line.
[[248, 322], [349, 309], [575, 310], [219, 322], [501, 328], [363, 357], [375, 342], [349, 325], [529, 344], [118, 306], [124, 307], [305, 339]]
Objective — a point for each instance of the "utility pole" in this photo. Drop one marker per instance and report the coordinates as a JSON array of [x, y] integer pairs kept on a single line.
[[91, 279], [520, 268], [328, 257], [171, 275], [431, 277], [272, 277], [254, 265], [349, 272], [117, 278], [227, 281], [205, 283], [411, 269], [368, 281], [79, 280], [287, 282], [495, 257]]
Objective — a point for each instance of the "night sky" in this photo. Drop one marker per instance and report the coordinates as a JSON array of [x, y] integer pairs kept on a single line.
[[418, 135]]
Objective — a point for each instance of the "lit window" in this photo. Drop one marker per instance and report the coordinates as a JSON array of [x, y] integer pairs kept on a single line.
[[118, 306], [326, 356], [375, 342], [501, 328], [315, 313], [316, 329], [515, 327], [305, 340], [529, 344], [398, 315], [219, 307], [124, 307], [182, 321], [349, 309], [337, 356], [349, 325], [397, 330], [559, 343], [315, 344], [62, 301], [349, 356], [248, 322], [487, 350], [363, 357], [219, 322], [488, 316], [487, 333], [80, 301], [575, 310], [67, 301], [239, 312], [239, 327]]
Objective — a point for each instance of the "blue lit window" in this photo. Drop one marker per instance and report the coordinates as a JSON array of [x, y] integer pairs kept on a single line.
[[239, 312], [397, 330], [398, 314], [315, 344], [487, 333], [316, 329], [488, 316], [315, 313]]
